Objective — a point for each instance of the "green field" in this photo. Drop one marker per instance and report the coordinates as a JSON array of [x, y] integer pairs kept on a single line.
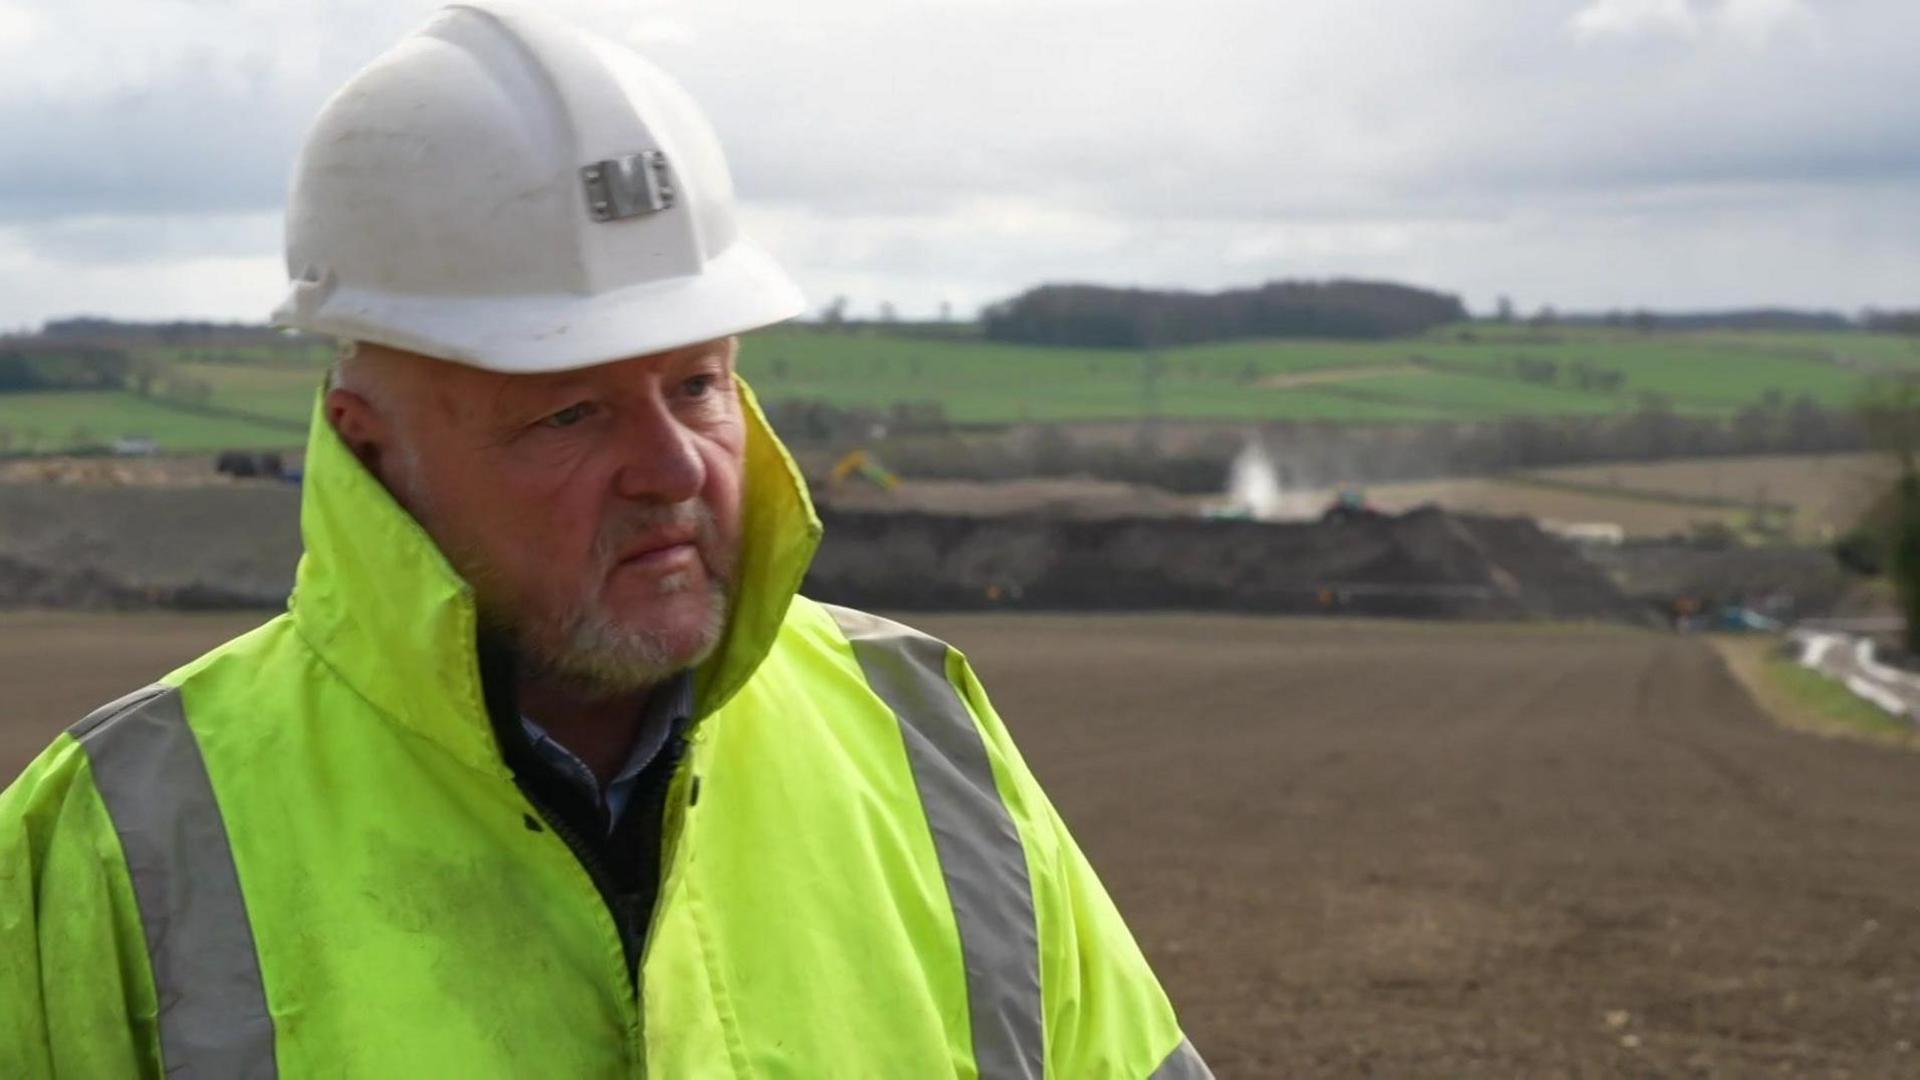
[[59, 422], [1471, 397], [1457, 373], [1836, 348], [1698, 375], [281, 391], [1463, 373]]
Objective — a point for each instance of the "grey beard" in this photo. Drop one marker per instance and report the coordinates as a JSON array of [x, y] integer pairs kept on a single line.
[[584, 647], [601, 659]]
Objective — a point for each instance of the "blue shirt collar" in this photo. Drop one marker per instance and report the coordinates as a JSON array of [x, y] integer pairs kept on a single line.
[[667, 711]]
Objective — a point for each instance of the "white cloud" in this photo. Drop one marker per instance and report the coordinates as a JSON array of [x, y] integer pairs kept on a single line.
[[18, 26], [1842, 246], [1626, 18], [1757, 22], [207, 287], [108, 239], [965, 149], [1749, 22]]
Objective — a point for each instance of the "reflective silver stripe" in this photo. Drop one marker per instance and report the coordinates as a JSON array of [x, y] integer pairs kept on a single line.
[[1183, 1064], [206, 974], [978, 845]]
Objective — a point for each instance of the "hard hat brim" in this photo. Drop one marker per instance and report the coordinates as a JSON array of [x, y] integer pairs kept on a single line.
[[742, 289]]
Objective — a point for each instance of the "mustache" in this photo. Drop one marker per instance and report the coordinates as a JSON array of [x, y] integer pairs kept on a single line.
[[633, 521]]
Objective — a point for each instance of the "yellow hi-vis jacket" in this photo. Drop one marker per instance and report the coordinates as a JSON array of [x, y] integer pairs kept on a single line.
[[303, 855]]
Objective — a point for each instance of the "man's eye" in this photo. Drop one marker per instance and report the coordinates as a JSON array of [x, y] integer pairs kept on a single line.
[[568, 416], [699, 385]]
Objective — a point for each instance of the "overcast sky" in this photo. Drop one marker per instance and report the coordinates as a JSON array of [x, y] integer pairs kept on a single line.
[[1580, 153]]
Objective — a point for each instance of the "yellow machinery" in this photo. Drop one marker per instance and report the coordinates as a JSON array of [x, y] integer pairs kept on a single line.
[[867, 467]]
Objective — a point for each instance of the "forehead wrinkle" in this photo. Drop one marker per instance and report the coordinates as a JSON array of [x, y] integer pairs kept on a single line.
[[496, 399], [723, 348], [459, 394], [487, 397]]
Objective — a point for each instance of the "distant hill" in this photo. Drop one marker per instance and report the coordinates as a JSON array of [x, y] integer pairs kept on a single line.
[[1098, 316], [181, 334]]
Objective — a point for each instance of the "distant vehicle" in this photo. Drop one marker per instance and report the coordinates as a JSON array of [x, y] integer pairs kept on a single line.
[[1741, 619], [246, 465], [1350, 505], [135, 446]]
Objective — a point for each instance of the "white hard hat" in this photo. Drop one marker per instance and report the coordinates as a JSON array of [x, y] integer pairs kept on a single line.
[[505, 190]]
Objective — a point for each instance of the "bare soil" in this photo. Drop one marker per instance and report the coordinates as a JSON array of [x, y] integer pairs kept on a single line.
[[1636, 516], [58, 666], [1829, 493], [1395, 849], [1402, 849], [147, 545]]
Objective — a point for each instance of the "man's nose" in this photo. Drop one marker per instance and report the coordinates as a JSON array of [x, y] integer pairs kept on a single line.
[[660, 458]]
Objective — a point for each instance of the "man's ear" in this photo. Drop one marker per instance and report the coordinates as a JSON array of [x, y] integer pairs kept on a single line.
[[359, 424]]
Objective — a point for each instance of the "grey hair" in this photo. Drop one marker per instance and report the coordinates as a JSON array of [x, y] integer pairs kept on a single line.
[[344, 351]]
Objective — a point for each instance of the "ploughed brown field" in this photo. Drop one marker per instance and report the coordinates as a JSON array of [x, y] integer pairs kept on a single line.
[[1374, 848]]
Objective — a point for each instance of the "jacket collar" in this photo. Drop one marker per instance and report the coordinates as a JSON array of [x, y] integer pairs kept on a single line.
[[388, 614]]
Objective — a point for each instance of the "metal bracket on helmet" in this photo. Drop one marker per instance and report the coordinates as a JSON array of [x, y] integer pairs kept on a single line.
[[632, 185]]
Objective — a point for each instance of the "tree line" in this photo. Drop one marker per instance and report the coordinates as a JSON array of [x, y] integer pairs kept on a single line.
[[1894, 322], [63, 367], [29, 365], [179, 333], [1750, 320], [1097, 316]]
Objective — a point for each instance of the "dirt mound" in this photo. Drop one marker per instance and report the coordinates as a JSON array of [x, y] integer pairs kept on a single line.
[[1059, 496], [188, 547], [1426, 563], [236, 547], [24, 585], [1788, 581]]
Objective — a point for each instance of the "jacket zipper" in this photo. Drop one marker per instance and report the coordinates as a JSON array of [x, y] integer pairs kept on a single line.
[[683, 784], [618, 906]]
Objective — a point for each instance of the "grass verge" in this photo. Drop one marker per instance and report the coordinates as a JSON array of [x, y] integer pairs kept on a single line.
[[1805, 700]]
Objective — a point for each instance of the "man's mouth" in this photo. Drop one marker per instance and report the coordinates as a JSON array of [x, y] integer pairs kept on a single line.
[[669, 551]]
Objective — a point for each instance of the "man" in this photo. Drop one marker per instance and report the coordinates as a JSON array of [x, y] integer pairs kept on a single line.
[[547, 770]]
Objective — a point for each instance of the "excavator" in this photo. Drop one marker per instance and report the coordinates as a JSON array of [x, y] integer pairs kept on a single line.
[[864, 465]]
